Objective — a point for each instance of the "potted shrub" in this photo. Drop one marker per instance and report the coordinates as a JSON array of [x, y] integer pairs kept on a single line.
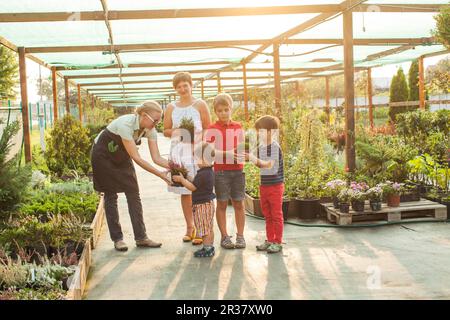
[[176, 170], [334, 187], [375, 196], [252, 203], [344, 200], [392, 192], [305, 168], [358, 195]]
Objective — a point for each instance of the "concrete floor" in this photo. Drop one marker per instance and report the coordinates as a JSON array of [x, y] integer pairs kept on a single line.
[[390, 262]]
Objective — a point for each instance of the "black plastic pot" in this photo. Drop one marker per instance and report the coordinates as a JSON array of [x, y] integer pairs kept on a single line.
[[336, 203], [308, 208], [414, 196], [358, 206], [286, 209], [344, 207], [375, 205]]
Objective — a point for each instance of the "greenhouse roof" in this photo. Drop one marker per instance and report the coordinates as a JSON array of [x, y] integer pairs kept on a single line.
[[125, 52]]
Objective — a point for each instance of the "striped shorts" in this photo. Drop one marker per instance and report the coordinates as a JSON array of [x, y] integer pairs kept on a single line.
[[203, 217]]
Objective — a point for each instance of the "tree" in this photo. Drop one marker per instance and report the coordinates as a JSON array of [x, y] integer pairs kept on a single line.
[[9, 71], [438, 77], [413, 80], [442, 31], [46, 90], [398, 93]]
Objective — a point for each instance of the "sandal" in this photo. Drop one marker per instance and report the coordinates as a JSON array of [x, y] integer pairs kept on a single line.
[[190, 238], [197, 241]]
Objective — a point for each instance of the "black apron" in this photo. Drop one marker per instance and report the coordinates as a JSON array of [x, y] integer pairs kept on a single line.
[[112, 166]]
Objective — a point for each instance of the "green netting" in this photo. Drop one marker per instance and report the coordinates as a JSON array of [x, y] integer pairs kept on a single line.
[[367, 25]]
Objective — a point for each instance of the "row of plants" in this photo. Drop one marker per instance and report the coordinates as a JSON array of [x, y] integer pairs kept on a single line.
[[44, 222], [312, 154], [357, 193]]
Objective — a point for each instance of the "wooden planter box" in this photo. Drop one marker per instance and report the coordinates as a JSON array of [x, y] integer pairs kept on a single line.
[[253, 206], [78, 283], [97, 223]]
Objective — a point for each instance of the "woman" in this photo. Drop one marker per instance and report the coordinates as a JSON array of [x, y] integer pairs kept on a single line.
[[187, 107], [112, 165]]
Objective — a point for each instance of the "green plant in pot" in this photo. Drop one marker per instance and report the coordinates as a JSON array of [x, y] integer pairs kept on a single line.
[[392, 192], [177, 170], [333, 189], [304, 176], [344, 200], [375, 196], [188, 128]]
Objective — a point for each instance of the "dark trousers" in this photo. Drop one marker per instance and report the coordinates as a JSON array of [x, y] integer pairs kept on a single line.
[[135, 211]]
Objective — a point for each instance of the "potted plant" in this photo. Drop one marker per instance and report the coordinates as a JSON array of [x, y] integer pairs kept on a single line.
[[344, 200], [334, 187], [375, 196], [188, 125], [358, 195], [392, 192], [176, 170]]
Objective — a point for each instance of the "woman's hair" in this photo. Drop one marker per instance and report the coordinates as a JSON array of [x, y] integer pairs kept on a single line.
[[223, 99], [149, 106], [268, 123], [181, 77]]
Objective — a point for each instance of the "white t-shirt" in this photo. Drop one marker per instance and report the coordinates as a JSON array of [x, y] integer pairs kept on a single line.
[[127, 127]]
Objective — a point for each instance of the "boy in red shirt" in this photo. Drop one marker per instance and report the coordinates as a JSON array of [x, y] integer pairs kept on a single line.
[[227, 134]]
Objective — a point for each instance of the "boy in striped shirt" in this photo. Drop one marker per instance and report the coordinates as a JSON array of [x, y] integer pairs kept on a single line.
[[270, 160]]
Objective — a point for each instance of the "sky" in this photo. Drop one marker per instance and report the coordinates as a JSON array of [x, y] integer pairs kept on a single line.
[[380, 72]]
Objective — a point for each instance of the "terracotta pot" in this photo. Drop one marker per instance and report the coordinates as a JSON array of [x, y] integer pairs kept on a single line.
[[393, 200]]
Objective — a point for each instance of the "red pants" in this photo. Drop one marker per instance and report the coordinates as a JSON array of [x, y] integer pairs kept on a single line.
[[271, 199]]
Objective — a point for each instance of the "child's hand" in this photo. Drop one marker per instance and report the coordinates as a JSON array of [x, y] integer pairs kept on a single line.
[[178, 178]]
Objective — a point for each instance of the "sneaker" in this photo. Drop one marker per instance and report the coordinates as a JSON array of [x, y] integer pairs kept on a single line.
[[264, 246], [205, 252], [240, 243], [120, 245], [274, 248], [147, 243], [226, 243]]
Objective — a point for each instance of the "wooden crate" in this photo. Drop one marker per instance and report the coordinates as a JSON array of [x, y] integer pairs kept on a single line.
[[406, 211], [97, 223]]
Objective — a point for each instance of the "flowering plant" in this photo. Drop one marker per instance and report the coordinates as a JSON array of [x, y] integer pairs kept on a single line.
[[345, 195], [375, 193], [359, 186], [334, 187], [357, 195], [392, 188]]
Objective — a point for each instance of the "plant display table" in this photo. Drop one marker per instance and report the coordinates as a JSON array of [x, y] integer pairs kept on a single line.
[[406, 211]]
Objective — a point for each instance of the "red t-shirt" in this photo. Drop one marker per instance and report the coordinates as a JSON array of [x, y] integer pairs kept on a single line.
[[226, 137]]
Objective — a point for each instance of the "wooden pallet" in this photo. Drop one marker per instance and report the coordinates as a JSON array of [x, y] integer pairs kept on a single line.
[[406, 211]]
